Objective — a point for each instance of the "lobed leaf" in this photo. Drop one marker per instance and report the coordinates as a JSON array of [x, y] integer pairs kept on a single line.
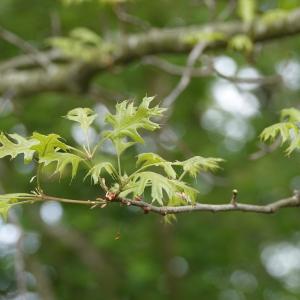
[[196, 164], [16, 145], [7, 201], [62, 160], [84, 116], [161, 188], [48, 143], [96, 171], [290, 115], [158, 183], [288, 131], [129, 119], [150, 159]]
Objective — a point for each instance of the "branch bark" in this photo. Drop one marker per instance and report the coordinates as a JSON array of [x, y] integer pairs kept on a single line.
[[25, 76], [146, 207]]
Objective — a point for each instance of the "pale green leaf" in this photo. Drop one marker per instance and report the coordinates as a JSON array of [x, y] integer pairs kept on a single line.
[[170, 218], [196, 164], [162, 188], [288, 132], [16, 145], [282, 129], [62, 160], [246, 10], [129, 119], [158, 184], [290, 115], [48, 143], [84, 116], [86, 35], [184, 193], [153, 159], [8, 200], [241, 42], [96, 171]]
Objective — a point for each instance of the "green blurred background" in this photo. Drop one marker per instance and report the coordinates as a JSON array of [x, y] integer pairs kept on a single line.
[[71, 252]]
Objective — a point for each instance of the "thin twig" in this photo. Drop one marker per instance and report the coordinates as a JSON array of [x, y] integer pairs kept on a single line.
[[186, 75], [123, 16], [172, 68], [26, 47], [270, 208], [207, 71]]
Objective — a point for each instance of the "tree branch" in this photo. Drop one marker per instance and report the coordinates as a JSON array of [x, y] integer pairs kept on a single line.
[[26, 77], [146, 207]]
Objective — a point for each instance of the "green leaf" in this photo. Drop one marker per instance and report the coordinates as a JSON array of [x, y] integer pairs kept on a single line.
[[152, 159], [97, 171], [86, 35], [246, 10], [288, 131], [158, 184], [16, 145], [196, 164], [48, 143], [241, 42], [129, 119], [62, 160], [184, 193], [282, 129], [84, 116], [7, 201], [161, 188], [290, 115]]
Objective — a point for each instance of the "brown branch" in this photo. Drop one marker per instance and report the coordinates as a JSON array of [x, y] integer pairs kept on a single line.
[[146, 207], [26, 76]]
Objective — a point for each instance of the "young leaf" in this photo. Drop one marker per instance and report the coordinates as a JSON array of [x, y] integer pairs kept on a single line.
[[48, 143], [129, 119], [98, 169], [290, 115], [175, 190], [246, 10], [86, 35], [62, 160], [288, 131], [282, 129], [7, 200], [84, 116], [241, 42], [184, 193], [19, 146], [196, 164], [158, 184], [147, 159]]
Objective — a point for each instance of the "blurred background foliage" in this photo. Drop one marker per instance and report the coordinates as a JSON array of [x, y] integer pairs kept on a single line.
[[70, 252]]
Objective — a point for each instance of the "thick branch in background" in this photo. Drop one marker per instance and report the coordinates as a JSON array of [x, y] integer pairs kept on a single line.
[[25, 76]]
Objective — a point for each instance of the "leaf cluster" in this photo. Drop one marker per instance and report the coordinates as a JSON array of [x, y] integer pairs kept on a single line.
[[287, 130], [154, 176]]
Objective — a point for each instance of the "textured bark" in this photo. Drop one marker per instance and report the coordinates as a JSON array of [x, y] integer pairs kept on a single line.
[[25, 76]]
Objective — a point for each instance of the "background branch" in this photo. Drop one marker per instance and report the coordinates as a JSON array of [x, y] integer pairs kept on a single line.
[[27, 77]]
